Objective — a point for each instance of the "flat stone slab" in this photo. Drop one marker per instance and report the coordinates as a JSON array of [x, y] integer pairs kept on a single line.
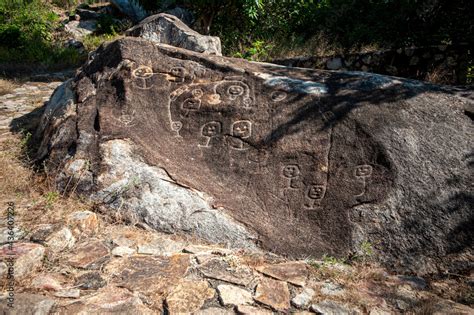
[[293, 272], [108, 300], [188, 297], [90, 255], [252, 310], [151, 275], [273, 293], [22, 258], [233, 295], [26, 303], [218, 269]]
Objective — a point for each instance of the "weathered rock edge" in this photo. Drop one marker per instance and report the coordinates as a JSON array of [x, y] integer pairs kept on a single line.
[[309, 162]]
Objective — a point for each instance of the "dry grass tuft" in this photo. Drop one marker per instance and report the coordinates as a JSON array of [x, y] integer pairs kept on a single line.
[[7, 86], [15, 175]]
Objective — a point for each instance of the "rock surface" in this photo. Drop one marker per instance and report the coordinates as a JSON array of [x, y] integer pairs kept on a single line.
[[168, 29], [233, 295], [273, 293], [309, 162]]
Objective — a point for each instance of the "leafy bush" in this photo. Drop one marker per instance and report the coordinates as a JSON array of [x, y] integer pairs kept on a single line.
[[26, 34]]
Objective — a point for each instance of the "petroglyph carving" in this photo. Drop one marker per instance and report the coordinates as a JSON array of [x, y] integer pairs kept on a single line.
[[258, 161], [127, 118], [292, 173], [178, 74], [197, 93], [142, 77], [328, 116], [242, 129], [314, 195], [363, 173], [176, 127], [235, 91], [190, 104], [210, 130], [278, 96]]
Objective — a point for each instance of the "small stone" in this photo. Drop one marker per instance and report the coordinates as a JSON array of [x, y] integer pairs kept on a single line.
[[108, 300], [28, 257], [304, 298], [121, 251], [203, 249], [161, 246], [68, 293], [46, 282], [214, 311], [60, 240], [42, 232], [328, 307], [232, 295], [189, 296], [219, 269], [90, 281], [25, 303], [292, 272], [332, 289], [11, 235], [273, 293], [252, 310], [85, 222], [89, 255]]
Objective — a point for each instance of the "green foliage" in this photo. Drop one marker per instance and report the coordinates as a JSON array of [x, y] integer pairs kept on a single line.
[[92, 42], [50, 198], [347, 24], [26, 34]]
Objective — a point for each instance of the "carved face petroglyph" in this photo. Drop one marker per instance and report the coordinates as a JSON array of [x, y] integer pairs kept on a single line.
[[191, 104], [291, 171], [235, 90], [179, 72], [316, 192], [143, 72], [211, 129], [197, 93], [176, 125], [363, 171], [242, 129]]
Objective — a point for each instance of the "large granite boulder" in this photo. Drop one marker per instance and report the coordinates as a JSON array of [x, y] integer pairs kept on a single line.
[[300, 162], [168, 29]]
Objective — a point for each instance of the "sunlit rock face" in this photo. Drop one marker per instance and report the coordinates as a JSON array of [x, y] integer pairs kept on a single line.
[[297, 161]]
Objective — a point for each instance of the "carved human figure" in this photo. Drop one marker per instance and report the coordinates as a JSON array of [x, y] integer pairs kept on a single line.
[[241, 129], [314, 195], [292, 173], [259, 159], [176, 127], [142, 77], [190, 104], [362, 173], [210, 130]]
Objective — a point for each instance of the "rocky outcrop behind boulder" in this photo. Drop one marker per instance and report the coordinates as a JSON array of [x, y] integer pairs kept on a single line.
[[300, 162], [168, 29]]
